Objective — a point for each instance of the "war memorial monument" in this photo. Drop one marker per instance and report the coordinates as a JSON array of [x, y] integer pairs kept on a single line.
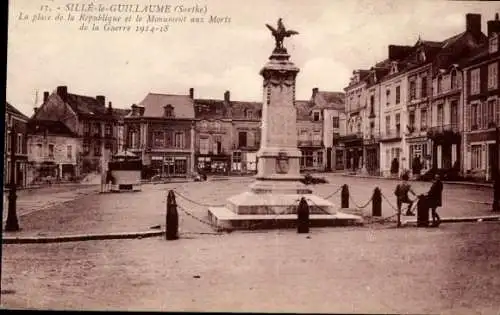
[[274, 195]]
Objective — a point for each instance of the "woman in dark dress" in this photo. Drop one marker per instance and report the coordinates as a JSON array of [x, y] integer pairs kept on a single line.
[[434, 198]]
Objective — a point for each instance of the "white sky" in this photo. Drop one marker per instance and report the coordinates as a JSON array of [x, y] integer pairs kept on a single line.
[[335, 37]]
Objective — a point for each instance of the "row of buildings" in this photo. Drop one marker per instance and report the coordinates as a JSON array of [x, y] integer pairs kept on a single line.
[[71, 135], [435, 101]]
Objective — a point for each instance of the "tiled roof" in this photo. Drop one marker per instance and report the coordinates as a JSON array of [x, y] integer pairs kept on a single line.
[[332, 100], [49, 126], [121, 112], [85, 104], [303, 109], [209, 108], [12, 110], [238, 109], [154, 104]]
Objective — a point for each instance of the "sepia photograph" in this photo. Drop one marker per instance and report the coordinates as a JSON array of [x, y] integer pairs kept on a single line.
[[265, 156]]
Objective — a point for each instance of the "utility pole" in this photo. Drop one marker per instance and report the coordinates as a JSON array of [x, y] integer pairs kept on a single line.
[[12, 224]]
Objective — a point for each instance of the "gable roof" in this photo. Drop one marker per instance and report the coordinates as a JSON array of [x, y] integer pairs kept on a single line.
[[12, 110], [154, 104], [36, 127]]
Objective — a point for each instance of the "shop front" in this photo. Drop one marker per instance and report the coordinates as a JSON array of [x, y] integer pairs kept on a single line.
[[213, 164], [372, 157], [170, 165]]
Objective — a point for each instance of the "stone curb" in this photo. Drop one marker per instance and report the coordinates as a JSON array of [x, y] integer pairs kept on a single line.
[[77, 238], [444, 182], [488, 218]]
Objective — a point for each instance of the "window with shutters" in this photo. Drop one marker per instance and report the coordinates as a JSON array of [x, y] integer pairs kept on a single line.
[[440, 115], [387, 125], [423, 91], [413, 90], [204, 145], [475, 81], [490, 110], [242, 139], [474, 116], [492, 76], [476, 157], [454, 79], [251, 139], [423, 119]]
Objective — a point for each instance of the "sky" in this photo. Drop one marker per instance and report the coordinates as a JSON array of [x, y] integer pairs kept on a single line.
[[335, 37]]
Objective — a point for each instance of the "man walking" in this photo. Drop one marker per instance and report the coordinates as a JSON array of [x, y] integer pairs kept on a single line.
[[434, 198]]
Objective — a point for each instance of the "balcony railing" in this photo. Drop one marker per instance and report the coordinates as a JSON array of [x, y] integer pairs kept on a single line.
[[438, 130], [351, 137], [309, 143], [390, 134]]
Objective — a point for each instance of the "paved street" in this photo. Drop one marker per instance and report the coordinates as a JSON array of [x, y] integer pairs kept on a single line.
[[450, 270], [83, 210]]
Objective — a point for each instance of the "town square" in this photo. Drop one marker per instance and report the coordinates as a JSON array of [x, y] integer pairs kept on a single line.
[[298, 180]]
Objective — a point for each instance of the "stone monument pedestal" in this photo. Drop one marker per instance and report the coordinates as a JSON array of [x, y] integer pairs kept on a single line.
[[273, 198]]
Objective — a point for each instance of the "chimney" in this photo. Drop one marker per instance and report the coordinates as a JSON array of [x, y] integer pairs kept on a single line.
[[473, 23], [134, 110], [62, 91], [110, 107], [398, 52], [494, 26], [45, 96], [191, 93], [227, 96], [101, 100], [315, 91]]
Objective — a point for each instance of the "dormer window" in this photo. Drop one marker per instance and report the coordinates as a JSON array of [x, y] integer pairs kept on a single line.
[[168, 111], [316, 116], [453, 79], [421, 56], [394, 67], [493, 43], [248, 113]]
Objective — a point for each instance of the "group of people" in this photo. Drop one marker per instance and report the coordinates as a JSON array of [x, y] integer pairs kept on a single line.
[[433, 198]]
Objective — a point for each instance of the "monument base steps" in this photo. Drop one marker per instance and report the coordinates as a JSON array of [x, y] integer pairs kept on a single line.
[[224, 218]]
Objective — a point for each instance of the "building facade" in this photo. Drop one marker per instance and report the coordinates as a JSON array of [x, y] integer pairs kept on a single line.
[[482, 107], [161, 131], [15, 122], [95, 124], [355, 107], [53, 151]]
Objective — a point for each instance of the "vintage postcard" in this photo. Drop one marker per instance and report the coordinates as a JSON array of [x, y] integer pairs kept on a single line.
[[252, 156]]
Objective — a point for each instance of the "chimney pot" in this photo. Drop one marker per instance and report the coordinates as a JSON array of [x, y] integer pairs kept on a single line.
[[191, 93], [62, 91], [227, 96], [45, 96], [493, 26], [101, 100]]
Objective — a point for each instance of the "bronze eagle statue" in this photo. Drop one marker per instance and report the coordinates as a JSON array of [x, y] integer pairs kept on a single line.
[[280, 33]]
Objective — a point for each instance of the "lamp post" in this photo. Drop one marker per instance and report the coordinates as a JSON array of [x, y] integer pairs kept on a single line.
[[12, 224]]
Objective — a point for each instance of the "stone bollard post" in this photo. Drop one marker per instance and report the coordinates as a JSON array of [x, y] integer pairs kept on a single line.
[[303, 216], [377, 203], [344, 196], [172, 218]]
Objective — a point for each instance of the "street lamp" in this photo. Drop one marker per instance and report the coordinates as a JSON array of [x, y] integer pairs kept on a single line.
[[12, 224]]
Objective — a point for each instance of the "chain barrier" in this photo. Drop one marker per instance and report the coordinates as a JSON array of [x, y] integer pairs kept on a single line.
[[217, 228], [358, 206], [196, 202], [318, 206], [334, 193]]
